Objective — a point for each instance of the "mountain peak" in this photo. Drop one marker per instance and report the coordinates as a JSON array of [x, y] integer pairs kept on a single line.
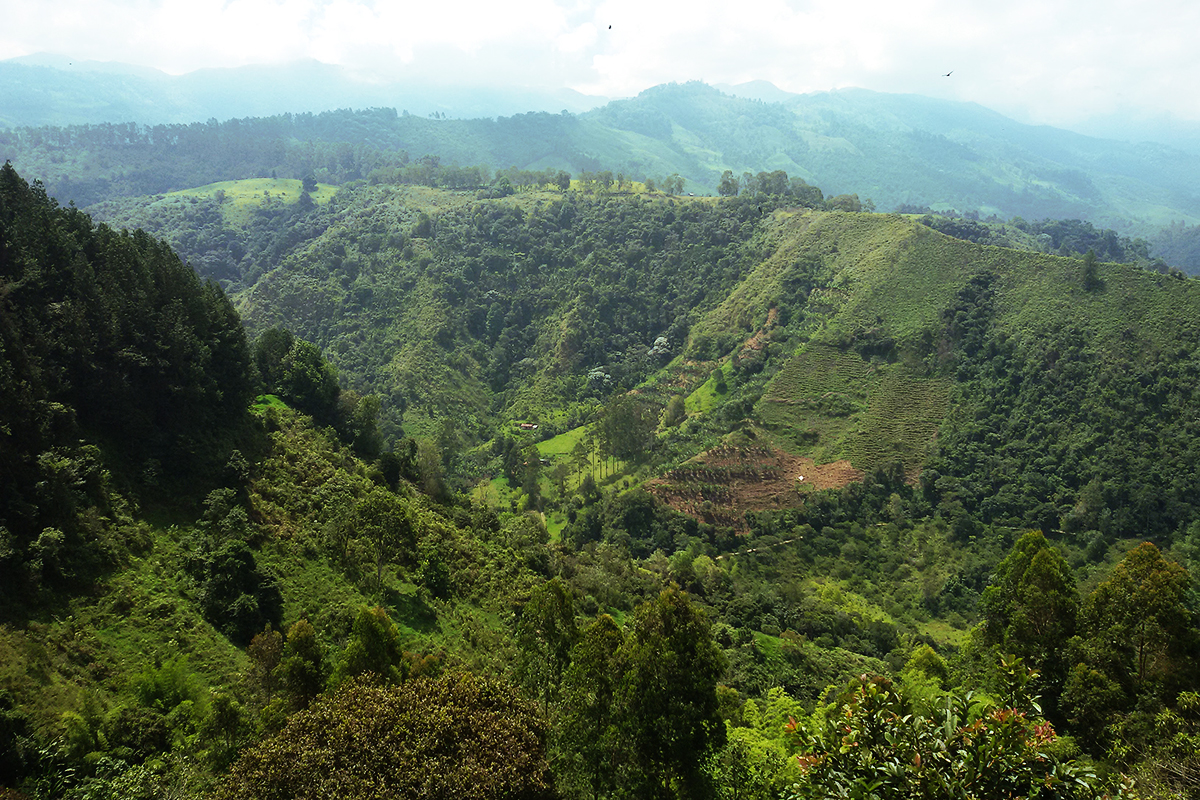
[[757, 90]]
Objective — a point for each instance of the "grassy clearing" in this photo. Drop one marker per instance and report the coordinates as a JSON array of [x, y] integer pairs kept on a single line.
[[265, 401], [312, 589], [837, 595], [563, 444], [706, 397], [944, 633], [831, 404], [816, 399], [555, 522], [903, 279], [240, 198], [494, 493], [560, 449], [94, 647], [151, 616]]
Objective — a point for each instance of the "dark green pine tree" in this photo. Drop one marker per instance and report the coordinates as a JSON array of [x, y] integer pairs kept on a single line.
[[587, 742], [546, 633], [667, 698]]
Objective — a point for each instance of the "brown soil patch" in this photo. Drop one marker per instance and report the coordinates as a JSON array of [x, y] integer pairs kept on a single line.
[[690, 374], [722, 484], [761, 337]]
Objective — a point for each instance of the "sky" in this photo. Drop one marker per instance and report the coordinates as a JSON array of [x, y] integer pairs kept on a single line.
[[1057, 62]]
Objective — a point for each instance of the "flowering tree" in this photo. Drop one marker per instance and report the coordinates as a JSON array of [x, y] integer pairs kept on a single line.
[[875, 742]]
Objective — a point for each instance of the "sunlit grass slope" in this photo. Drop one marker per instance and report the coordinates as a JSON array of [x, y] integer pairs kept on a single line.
[[240, 198], [866, 295]]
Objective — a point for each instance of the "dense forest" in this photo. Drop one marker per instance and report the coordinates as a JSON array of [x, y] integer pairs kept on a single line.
[[757, 495]]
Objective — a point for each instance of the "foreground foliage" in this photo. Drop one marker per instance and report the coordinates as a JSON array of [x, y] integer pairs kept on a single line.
[[877, 741], [457, 736]]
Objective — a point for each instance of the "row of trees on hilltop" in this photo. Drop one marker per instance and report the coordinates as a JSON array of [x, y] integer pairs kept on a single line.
[[796, 190], [1071, 237]]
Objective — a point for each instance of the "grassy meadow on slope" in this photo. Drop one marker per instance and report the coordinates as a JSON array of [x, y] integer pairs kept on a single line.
[[889, 338], [239, 198]]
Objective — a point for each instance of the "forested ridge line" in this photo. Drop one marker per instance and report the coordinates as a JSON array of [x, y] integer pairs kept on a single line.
[[851, 147]]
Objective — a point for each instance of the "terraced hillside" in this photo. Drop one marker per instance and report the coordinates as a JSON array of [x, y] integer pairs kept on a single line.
[[884, 335]]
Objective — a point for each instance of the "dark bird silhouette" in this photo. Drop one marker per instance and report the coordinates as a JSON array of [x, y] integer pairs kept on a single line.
[[948, 74], [610, 27]]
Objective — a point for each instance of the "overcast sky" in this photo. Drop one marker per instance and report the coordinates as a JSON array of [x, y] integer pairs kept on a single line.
[[1057, 62]]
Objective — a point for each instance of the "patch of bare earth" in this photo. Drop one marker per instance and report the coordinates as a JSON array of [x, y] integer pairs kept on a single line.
[[690, 374], [762, 336], [719, 486]]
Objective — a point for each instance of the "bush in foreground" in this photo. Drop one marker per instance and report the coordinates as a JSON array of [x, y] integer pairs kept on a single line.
[[457, 736]]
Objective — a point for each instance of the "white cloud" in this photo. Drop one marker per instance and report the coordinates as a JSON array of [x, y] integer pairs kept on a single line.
[[577, 39]]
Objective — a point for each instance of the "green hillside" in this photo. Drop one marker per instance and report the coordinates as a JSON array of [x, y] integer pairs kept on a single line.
[[856, 338], [485, 312], [602, 472]]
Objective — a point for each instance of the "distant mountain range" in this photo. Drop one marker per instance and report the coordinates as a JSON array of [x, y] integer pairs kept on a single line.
[[906, 150], [48, 89]]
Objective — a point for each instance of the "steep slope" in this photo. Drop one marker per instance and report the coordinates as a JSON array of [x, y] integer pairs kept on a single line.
[[108, 340], [1019, 377], [528, 307], [154, 525], [846, 338]]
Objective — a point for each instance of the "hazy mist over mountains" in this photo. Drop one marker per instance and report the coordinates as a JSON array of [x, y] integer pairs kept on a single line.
[[48, 89], [53, 89]]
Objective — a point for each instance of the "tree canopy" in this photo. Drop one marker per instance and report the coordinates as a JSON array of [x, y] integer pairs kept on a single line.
[[457, 736]]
